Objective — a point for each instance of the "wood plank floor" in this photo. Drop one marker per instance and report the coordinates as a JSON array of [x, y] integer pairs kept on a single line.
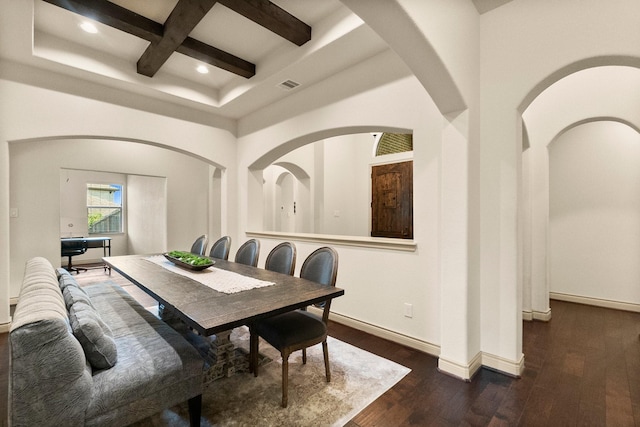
[[582, 368]]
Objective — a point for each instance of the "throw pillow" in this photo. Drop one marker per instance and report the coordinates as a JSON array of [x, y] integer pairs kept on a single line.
[[74, 293], [94, 336]]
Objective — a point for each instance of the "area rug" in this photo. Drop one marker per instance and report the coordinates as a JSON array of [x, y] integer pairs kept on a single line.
[[357, 379]]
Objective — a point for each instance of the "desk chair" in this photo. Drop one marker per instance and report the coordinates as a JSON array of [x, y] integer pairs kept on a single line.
[[248, 253], [298, 329], [71, 249]]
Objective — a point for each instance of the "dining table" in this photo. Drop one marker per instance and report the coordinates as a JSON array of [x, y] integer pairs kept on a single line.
[[211, 302]]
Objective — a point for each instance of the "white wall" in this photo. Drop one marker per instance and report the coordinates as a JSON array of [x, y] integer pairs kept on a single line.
[[377, 282], [525, 47], [347, 177], [343, 164], [594, 212], [567, 103], [33, 112], [146, 214]]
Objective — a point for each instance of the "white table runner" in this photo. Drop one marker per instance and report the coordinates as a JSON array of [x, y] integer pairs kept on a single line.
[[217, 279]]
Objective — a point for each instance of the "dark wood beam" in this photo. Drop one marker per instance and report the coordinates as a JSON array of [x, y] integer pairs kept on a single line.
[[216, 57], [130, 22], [273, 18], [182, 20]]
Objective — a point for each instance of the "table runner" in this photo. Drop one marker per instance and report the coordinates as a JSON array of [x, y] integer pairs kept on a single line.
[[217, 279]]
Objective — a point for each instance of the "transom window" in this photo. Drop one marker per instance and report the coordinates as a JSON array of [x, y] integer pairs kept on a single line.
[[104, 208], [391, 143]]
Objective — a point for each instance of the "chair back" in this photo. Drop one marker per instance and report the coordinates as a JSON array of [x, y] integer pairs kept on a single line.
[[73, 247], [321, 266], [248, 253], [199, 247], [282, 259], [220, 248]]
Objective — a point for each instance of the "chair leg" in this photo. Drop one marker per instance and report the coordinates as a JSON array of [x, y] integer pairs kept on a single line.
[[325, 350], [195, 410], [285, 379], [254, 343], [304, 356]]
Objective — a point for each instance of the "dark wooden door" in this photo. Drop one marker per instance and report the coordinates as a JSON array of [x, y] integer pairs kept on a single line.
[[392, 200]]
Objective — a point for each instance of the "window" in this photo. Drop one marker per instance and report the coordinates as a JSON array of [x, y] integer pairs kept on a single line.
[[394, 143], [104, 208]]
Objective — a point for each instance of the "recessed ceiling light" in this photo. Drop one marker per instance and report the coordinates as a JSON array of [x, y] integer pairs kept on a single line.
[[202, 69], [89, 27]]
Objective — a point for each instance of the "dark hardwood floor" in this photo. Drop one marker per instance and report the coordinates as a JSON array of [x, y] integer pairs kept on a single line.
[[582, 369]]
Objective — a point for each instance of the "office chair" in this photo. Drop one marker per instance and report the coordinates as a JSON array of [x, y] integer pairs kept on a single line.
[[70, 249]]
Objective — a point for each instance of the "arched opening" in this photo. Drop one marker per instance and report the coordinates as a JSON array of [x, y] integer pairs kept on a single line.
[[594, 215], [97, 160], [596, 92], [324, 187]]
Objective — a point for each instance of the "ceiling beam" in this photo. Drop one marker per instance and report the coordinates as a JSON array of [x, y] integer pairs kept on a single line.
[[273, 18], [182, 20], [132, 23]]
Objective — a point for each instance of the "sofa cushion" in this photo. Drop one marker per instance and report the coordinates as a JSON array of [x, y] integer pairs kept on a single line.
[[94, 335], [73, 294], [65, 279]]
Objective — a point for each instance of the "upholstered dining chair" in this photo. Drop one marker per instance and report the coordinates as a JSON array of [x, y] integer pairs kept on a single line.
[[282, 259], [220, 249], [199, 247], [299, 329], [248, 253]]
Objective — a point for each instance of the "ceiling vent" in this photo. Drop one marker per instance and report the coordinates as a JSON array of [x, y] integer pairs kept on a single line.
[[288, 85]]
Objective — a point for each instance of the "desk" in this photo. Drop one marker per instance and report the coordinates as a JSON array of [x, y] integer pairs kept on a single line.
[[211, 312], [94, 242]]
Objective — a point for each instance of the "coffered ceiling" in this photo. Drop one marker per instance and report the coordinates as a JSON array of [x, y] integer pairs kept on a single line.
[[248, 48]]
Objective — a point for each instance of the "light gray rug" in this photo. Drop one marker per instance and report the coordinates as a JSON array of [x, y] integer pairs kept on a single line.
[[357, 379]]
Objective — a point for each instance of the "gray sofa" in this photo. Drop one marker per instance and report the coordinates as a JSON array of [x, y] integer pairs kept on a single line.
[[93, 356]]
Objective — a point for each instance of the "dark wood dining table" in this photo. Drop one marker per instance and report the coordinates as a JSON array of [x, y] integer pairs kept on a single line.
[[210, 312]]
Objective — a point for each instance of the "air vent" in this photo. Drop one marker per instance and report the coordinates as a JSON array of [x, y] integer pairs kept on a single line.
[[288, 85]]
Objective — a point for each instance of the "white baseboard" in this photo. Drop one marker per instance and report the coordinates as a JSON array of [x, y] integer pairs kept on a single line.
[[5, 327], [598, 302], [543, 316], [506, 366], [423, 346], [463, 372], [531, 315]]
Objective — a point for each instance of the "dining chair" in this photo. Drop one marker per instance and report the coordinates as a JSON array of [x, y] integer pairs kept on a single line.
[[248, 253], [282, 259], [298, 329], [199, 247], [220, 248]]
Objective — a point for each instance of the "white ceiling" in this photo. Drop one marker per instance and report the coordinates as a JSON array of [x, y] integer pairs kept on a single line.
[[339, 41]]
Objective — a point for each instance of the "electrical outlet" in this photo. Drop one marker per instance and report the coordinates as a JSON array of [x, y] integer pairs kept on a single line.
[[408, 310]]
